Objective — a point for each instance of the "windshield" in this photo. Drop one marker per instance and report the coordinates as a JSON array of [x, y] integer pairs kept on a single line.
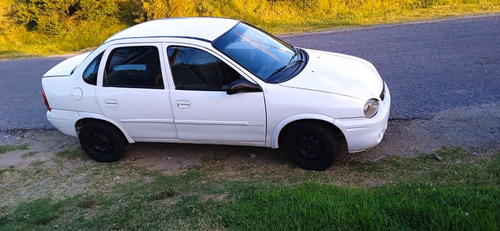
[[267, 57]]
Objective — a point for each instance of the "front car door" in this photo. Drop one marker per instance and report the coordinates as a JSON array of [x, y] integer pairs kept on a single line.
[[203, 111], [133, 93]]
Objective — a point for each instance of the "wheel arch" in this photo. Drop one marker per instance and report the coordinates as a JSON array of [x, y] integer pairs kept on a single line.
[[84, 120], [284, 125]]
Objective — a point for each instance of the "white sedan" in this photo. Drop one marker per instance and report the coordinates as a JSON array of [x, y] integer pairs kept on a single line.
[[216, 81]]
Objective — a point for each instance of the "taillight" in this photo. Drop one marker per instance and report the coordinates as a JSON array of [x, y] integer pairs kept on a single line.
[[45, 100]]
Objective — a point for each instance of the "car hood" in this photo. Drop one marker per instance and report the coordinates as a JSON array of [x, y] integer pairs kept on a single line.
[[65, 67], [338, 74]]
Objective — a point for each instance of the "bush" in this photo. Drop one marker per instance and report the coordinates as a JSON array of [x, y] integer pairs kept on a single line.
[[41, 27], [154, 9], [54, 17]]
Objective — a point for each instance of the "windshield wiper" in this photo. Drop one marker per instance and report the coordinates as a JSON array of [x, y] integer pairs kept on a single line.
[[277, 71], [296, 52], [283, 68]]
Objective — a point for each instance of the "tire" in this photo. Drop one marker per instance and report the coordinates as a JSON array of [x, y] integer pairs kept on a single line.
[[102, 141], [311, 146]]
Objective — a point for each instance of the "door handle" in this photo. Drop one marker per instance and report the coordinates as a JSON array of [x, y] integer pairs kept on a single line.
[[184, 104], [111, 102]]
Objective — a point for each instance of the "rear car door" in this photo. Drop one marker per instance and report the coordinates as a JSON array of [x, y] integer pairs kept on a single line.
[[132, 92]]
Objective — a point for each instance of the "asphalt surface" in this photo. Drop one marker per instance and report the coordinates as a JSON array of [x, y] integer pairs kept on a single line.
[[21, 102], [429, 67]]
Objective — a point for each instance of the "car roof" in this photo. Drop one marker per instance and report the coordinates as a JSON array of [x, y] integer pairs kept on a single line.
[[195, 27]]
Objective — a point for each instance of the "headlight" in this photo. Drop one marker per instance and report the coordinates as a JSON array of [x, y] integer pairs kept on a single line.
[[371, 108]]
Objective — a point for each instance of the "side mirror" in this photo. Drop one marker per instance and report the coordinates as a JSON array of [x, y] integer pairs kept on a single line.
[[242, 85]]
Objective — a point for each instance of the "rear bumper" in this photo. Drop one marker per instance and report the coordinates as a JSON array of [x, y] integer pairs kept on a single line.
[[64, 121]]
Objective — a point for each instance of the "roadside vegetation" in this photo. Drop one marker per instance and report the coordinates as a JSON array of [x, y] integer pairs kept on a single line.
[[47, 27], [71, 192]]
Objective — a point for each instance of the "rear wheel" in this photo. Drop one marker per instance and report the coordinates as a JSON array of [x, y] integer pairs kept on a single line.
[[311, 145], [102, 141]]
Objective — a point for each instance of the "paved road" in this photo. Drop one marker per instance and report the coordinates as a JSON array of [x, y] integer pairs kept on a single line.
[[429, 67], [21, 103]]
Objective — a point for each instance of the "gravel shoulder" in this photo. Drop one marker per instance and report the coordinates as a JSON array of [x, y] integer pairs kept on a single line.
[[475, 129]]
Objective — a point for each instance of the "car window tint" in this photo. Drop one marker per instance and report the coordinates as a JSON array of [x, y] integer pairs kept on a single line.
[[90, 73], [256, 50], [134, 67], [195, 69]]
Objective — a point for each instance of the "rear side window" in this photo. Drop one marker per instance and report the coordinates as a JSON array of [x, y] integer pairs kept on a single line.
[[134, 67], [90, 73]]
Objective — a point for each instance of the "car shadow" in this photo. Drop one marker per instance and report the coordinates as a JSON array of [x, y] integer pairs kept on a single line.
[[174, 157]]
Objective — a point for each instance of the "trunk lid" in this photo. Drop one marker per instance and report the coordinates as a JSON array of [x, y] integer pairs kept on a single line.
[[66, 67]]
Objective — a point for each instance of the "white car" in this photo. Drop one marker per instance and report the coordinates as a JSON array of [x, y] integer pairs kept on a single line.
[[216, 81]]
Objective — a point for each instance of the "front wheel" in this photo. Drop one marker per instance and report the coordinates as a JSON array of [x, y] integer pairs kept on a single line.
[[311, 146], [102, 141]]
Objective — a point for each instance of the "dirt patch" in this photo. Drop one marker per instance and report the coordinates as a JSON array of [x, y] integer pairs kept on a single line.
[[43, 144], [476, 129]]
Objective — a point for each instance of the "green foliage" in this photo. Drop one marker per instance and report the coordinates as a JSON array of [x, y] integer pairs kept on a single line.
[[402, 206], [34, 213], [154, 9], [54, 17], [42, 27]]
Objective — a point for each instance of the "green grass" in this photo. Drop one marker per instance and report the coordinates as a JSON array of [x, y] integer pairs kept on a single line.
[[72, 192], [66, 154], [29, 154], [10, 148], [458, 167], [399, 206]]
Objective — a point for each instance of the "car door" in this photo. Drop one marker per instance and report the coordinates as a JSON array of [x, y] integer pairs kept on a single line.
[[203, 111], [132, 92]]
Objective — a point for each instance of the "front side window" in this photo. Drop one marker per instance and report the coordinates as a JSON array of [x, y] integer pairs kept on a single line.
[[195, 69], [134, 67], [90, 73]]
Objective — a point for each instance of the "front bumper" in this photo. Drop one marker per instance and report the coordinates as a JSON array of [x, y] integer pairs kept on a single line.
[[362, 133]]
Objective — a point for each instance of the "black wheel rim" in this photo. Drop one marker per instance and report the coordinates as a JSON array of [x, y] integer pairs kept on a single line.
[[309, 147], [101, 142]]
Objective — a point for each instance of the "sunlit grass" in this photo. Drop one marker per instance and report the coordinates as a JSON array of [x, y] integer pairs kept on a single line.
[[20, 43], [277, 16]]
